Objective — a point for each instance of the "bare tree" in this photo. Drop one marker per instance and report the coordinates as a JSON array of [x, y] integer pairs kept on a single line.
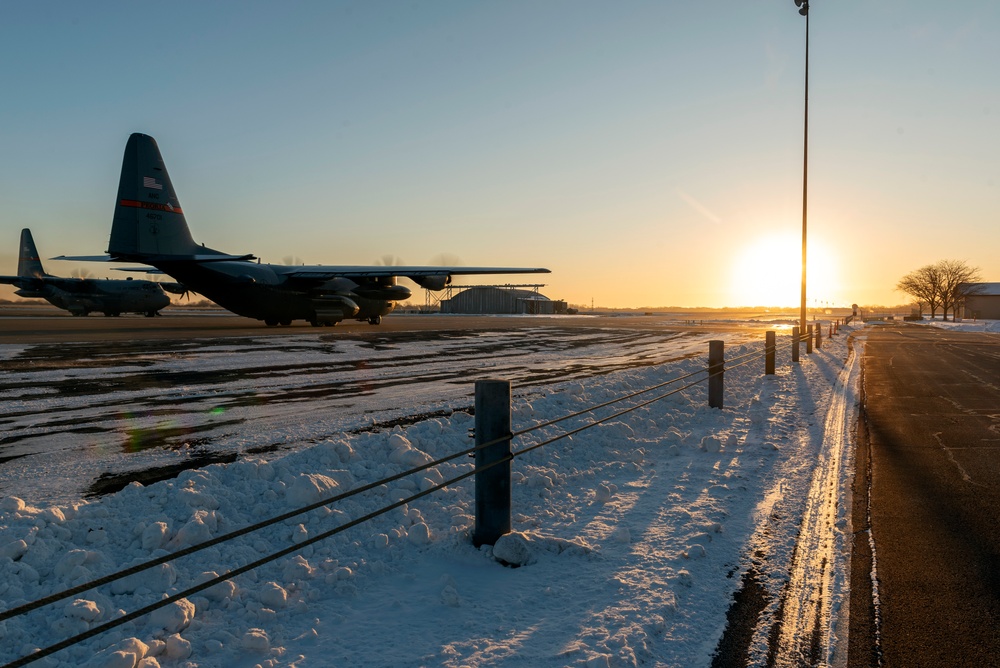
[[957, 282], [924, 285], [944, 284]]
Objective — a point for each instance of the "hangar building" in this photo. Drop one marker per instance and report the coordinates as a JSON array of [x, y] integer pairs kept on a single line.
[[500, 299], [984, 304]]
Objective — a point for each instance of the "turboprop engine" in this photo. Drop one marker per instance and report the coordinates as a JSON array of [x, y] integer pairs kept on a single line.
[[384, 289], [435, 282], [335, 305]]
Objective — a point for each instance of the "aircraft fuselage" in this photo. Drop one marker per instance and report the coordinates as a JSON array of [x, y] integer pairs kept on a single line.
[[107, 296], [261, 291]]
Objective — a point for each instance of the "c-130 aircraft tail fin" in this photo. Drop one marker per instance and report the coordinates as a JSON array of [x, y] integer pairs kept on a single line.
[[28, 263], [149, 220]]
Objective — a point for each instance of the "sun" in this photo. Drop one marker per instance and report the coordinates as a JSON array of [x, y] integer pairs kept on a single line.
[[768, 272]]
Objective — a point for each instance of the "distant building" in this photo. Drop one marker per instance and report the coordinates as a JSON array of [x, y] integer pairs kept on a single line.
[[984, 303], [501, 300]]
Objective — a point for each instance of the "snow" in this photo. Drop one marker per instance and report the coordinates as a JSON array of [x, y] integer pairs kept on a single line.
[[630, 538], [966, 325]]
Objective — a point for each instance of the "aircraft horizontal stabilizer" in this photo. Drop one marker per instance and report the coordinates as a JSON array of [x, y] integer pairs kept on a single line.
[[84, 258]]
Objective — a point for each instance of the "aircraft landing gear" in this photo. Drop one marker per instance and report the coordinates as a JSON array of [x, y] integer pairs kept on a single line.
[[151, 314], [270, 322], [286, 322], [375, 320]]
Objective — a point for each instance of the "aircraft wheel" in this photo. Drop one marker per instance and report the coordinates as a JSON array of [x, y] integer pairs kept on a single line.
[[375, 320], [150, 314], [285, 323], [315, 323], [270, 322]]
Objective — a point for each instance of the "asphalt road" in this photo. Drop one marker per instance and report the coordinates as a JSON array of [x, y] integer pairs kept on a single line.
[[929, 454]]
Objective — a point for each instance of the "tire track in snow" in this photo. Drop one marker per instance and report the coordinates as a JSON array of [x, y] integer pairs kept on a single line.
[[806, 637]]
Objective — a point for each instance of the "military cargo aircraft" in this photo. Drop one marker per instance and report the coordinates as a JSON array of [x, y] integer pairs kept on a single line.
[[149, 227], [80, 296]]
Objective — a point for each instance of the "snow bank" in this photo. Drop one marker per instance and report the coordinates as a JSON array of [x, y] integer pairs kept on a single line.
[[628, 544]]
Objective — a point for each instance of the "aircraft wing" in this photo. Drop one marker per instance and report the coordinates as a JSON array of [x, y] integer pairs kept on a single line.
[[33, 282], [322, 273], [36, 282], [430, 278], [154, 259]]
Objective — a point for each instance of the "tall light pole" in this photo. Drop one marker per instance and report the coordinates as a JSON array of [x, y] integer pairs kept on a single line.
[[803, 6]]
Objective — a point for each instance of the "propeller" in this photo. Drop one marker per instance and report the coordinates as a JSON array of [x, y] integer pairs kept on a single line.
[[292, 261], [390, 260], [176, 289], [446, 260], [81, 273]]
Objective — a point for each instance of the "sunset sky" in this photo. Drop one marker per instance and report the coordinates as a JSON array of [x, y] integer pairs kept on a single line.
[[648, 153]]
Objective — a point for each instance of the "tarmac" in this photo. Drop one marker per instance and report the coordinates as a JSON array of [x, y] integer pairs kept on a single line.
[[44, 324], [926, 557]]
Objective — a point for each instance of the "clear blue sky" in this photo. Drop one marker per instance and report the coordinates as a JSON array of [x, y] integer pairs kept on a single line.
[[646, 152]]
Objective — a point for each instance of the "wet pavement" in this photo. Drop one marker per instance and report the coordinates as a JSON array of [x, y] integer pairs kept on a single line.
[[89, 417]]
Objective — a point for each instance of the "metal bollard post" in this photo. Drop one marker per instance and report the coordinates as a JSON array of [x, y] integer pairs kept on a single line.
[[769, 348], [796, 340], [809, 339], [716, 370], [492, 484]]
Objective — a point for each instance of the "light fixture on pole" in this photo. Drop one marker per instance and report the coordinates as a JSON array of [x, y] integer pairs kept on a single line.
[[803, 6]]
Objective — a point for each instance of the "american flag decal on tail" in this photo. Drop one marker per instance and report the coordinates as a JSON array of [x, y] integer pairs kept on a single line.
[[150, 182]]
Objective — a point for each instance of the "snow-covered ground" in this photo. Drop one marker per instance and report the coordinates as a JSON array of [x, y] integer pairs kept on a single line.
[[631, 537], [967, 325], [82, 418]]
